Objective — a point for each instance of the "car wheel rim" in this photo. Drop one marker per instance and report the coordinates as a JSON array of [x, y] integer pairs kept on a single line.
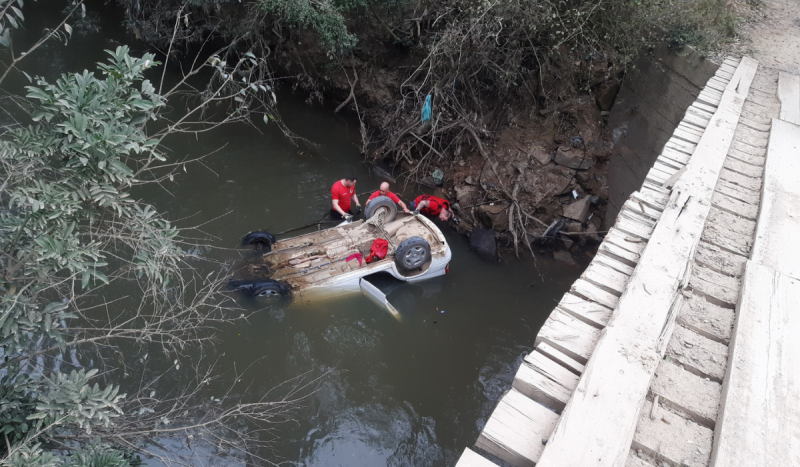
[[414, 257]]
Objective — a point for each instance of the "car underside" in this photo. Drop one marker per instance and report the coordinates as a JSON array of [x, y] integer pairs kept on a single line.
[[334, 258]]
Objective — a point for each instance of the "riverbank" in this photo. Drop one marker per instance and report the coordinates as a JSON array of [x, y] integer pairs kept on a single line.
[[518, 163], [540, 160], [518, 94]]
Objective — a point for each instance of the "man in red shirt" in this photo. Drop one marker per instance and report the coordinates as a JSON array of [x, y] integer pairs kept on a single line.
[[342, 193], [384, 191], [433, 206]]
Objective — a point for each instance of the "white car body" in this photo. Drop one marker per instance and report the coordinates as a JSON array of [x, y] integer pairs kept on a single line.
[[438, 267], [329, 273]]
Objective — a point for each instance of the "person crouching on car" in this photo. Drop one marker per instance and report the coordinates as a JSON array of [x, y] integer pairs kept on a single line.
[[384, 191], [343, 193], [433, 206]]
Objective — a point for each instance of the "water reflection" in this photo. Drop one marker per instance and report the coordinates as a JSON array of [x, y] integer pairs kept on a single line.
[[414, 392]]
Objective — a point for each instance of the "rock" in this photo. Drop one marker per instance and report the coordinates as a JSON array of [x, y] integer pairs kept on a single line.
[[567, 242], [463, 228], [579, 210], [592, 237], [572, 185], [440, 193], [482, 241], [466, 195], [429, 181], [493, 217], [606, 94], [541, 154], [573, 158], [469, 180], [379, 172], [601, 150], [564, 257], [582, 177], [575, 227]]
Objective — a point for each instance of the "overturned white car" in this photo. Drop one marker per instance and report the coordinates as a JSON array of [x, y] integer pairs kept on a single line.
[[334, 259]]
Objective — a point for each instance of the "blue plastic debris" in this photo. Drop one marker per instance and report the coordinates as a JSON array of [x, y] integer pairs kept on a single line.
[[441, 311], [437, 176], [426, 109]]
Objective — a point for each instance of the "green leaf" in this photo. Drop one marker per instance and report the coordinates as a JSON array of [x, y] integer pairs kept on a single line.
[[53, 307], [39, 114], [99, 275], [85, 280], [142, 104], [121, 168], [68, 28], [19, 13], [36, 93], [5, 38]]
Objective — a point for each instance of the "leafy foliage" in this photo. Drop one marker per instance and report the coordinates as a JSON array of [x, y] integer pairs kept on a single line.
[[65, 209], [94, 454], [322, 16], [69, 172], [703, 24], [71, 235], [10, 17]]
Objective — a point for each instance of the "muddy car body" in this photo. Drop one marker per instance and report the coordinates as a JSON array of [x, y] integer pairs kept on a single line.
[[328, 260]]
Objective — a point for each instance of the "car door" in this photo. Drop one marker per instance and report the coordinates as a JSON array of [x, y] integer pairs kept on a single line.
[[378, 297]]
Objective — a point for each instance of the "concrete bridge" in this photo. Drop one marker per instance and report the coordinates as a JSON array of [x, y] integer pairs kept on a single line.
[[679, 343]]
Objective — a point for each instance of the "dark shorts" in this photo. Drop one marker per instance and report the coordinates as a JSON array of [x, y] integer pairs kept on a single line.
[[413, 206]]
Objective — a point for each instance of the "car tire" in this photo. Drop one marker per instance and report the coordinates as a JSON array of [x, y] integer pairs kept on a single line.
[[262, 288], [261, 239], [381, 204], [412, 254]]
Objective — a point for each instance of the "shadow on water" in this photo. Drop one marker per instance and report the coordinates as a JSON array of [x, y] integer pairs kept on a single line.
[[410, 392]]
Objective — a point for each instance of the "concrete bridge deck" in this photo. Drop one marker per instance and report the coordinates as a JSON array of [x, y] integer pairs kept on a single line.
[[676, 345]]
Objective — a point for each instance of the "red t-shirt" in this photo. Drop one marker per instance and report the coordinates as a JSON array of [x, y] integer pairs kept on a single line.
[[436, 205], [343, 194], [391, 196]]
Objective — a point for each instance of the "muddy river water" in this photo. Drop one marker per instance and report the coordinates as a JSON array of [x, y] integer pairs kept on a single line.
[[408, 392], [414, 391], [411, 392]]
